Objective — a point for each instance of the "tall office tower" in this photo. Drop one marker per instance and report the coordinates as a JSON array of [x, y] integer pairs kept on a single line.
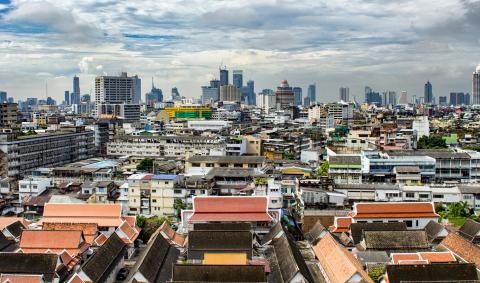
[[345, 94], [476, 86], [392, 98], [85, 98], [252, 98], [114, 95], [442, 100], [175, 94], [284, 95], [66, 97], [229, 93], [237, 78], [298, 97], [467, 98], [460, 98], [215, 83], [306, 101], [428, 93], [223, 76], [155, 95], [403, 97], [137, 89], [209, 94], [312, 93], [3, 96], [76, 91], [453, 98], [372, 97]]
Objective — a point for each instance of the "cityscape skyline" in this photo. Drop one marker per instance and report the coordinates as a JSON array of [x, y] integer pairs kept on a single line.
[[51, 41]]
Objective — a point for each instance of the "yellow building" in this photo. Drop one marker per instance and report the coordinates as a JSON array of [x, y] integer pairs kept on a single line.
[[189, 111]]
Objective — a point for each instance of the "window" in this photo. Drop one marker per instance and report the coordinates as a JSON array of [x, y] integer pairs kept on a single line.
[[416, 223], [177, 191], [167, 182], [409, 223], [437, 196], [467, 197], [154, 200], [409, 195], [195, 164], [274, 201], [154, 191], [424, 195]]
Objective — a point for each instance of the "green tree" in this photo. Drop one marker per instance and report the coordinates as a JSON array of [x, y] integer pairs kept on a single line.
[[458, 209], [149, 226], [178, 205], [288, 155], [431, 142], [323, 170], [145, 165], [376, 273]]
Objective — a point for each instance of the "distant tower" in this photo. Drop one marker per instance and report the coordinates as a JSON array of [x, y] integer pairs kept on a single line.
[[237, 77], [344, 94], [298, 97], [67, 97], [312, 93], [428, 93], [403, 97], [223, 76], [476, 86], [76, 91], [284, 95]]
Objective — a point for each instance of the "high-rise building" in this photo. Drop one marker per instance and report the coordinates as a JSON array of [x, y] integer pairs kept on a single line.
[[137, 89], [476, 86], [389, 98], [306, 101], [155, 95], [237, 78], [460, 98], [252, 98], [344, 94], [75, 99], [467, 98], [298, 97], [428, 93], [312, 93], [229, 93], [3, 96], [442, 100], [223, 76], [372, 97], [66, 97], [403, 97], [176, 94], [209, 94], [284, 95], [114, 95], [215, 83]]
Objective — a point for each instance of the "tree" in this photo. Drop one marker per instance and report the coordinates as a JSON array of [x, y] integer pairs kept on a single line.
[[145, 165], [458, 209], [323, 170], [431, 142], [178, 205], [376, 273], [149, 226]]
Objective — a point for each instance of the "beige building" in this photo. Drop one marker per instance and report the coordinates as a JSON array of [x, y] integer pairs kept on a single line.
[[150, 194], [229, 93], [254, 145]]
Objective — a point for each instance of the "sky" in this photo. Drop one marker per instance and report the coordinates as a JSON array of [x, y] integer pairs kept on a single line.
[[388, 45]]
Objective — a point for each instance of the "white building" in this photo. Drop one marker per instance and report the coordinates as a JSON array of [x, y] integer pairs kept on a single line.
[[421, 126], [208, 125], [33, 187]]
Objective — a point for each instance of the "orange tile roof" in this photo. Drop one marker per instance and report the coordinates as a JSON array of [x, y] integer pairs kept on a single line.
[[220, 208], [6, 221], [394, 210], [130, 234], [397, 257], [89, 229], [171, 235], [76, 279], [420, 261], [437, 257], [462, 248], [16, 278], [225, 258], [337, 262], [101, 239], [104, 215], [33, 241], [341, 224], [132, 220]]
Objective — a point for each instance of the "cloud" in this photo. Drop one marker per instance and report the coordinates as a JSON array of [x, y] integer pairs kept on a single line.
[[84, 64], [54, 19]]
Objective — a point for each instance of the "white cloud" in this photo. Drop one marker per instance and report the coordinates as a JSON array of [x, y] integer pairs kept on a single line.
[[84, 64]]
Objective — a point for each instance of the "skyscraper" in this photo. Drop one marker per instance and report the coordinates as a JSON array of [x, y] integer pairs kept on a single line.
[[175, 94], [229, 93], [476, 86], [442, 100], [67, 97], [114, 95], [223, 76], [3, 96], [428, 93], [76, 90], [137, 89], [284, 95], [403, 97], [372, 97], [237, 78], [298, 97], [312, 93], [209, 94], [344, 94], [252, 98], [155, 95]]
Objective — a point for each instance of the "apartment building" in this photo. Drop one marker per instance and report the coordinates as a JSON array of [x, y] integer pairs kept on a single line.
[[151, 194], [33, 187], [168, 146], [200, 165], [8, 115], [21, 154]]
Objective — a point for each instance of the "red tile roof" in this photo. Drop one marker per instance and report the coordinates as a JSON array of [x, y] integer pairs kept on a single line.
[[128, 233], [462, 248], [104, 215], [34, 241], [338, 263], [17, 278], [437, 257], [101, 239], [241, 209], [394, 210], [6, 221], [169, 234], [341, 224], [89, 229]]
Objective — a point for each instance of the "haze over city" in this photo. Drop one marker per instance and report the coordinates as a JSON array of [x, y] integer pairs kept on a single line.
[[388, 45]]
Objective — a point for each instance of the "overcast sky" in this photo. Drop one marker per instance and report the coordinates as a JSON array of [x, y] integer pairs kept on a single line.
[[396, 45]]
